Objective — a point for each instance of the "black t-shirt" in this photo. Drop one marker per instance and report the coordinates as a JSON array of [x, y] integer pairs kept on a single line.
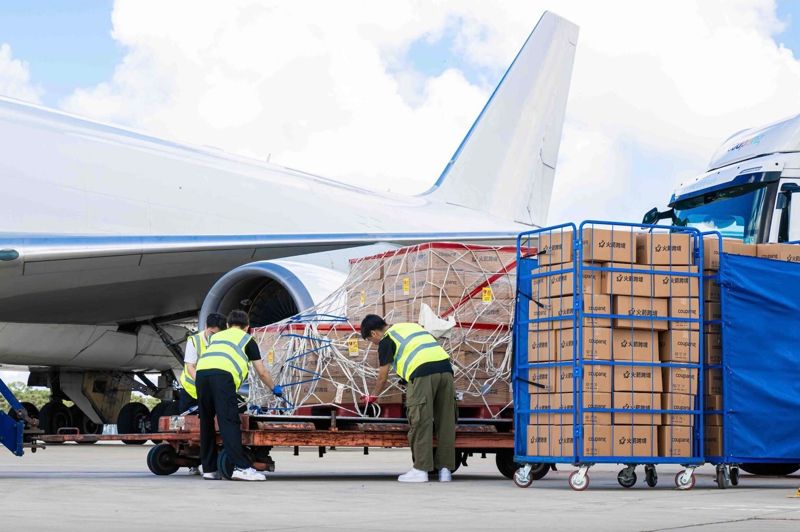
[[387, 349]]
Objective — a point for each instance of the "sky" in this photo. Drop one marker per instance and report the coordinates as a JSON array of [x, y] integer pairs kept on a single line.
[[380, 94]]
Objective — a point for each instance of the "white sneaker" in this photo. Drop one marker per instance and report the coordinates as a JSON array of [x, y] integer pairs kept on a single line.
[[414, 475], [194, 471], [248, 474], [445, 475], [214, 475]]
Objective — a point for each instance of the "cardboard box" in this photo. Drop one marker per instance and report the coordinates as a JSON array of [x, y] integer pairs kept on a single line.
[[711, 291], [566, 378], [481, 366], [675, 285], [784, 252], [596, 440], [366, 269], [680, 380], [563, 440], [713, 348], [544, 377], [562, 284], [641, 307], [495, 259], [596, 343], [597, 378], [440, 257], [539, 403], [397, 312], [713, 420], [713, 312], [541, 346], [637, 379], [712, 383], [428, 283], [635, 345], [677, 401], [366, 294], [566, 401], [729, 245], [539, 440], [685, 307], [632, 401], [564, 309], [475, 310], [599, 245], [635, 440], [675, 441], [664, 248], [679, 346], [637, 282], [500, 393], [713, 402], [487, 286], [712, 439]]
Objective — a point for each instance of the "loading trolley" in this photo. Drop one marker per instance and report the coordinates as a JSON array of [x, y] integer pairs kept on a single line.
[[608, 330]]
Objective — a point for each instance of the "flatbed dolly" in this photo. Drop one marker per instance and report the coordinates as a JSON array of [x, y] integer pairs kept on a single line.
[[179, 439]]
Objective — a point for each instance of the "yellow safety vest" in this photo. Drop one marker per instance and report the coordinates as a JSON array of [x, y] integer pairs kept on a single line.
[[187, 382], [225, 351], [415, 346]]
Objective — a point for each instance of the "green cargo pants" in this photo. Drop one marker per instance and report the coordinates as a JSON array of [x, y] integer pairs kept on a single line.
[[431, 404]]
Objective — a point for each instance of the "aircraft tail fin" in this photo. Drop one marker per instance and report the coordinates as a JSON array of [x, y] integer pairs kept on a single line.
[[506, 164]]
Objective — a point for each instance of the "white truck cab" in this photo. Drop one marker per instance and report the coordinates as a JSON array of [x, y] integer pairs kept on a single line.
[[748, 189]]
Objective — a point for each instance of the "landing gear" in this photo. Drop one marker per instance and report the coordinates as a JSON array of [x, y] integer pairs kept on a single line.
[[54, 416], [161, 459], [134, 418], [685, 479], [627, 477], [84, 425], [650, 475]]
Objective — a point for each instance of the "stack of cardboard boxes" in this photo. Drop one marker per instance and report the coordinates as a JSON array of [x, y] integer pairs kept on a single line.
[[641, 280], [712, 379], [475, 285]]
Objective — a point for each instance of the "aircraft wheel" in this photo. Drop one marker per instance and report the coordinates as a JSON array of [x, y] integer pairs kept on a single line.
[[53, 416], [134, 418], [84, 424]]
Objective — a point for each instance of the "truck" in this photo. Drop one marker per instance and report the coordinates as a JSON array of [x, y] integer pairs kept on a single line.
[[746, 193]]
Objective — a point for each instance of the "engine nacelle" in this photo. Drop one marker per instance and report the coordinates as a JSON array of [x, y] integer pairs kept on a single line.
[[270, 291]]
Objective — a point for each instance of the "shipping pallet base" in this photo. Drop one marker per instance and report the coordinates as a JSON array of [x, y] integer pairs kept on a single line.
[[178, 439], [579, 480], [396, 410]]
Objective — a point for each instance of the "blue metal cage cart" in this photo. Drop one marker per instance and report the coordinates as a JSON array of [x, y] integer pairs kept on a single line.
[[608, 350], [752, 386]]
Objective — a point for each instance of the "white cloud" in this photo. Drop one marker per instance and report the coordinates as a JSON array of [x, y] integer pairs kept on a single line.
[[325, 86], [15, 77]]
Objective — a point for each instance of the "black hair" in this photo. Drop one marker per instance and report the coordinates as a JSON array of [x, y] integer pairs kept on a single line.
[[371, 322], [238, 318], [216, 320]]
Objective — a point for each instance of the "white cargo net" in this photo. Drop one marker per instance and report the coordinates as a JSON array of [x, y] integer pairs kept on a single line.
[[462, 293]]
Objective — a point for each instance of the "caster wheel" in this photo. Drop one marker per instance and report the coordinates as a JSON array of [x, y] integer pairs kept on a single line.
[[720, 479], [734, 476], [650, 476], [626, 479], [522, 481], [161, 459], [684, 481], [578, 482]]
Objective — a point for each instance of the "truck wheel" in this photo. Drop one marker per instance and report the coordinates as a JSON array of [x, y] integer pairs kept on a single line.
[[134, 418], [161, 459], [770, 470]]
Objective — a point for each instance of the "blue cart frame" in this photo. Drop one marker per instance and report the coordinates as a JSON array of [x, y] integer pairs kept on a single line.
[[530, 272]]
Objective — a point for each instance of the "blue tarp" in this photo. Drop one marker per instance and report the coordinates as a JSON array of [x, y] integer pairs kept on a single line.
[[761, 359]]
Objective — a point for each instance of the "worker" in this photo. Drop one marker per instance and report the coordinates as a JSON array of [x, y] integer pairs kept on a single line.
[[195, 347], [430, 398], [220, 372]]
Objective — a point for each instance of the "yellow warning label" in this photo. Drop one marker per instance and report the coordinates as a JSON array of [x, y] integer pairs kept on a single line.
[[352, 346], [406, 286], [271, 357], [486, 295], [363, 297]]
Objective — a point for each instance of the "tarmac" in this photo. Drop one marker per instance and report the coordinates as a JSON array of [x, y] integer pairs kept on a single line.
[[108, 487]]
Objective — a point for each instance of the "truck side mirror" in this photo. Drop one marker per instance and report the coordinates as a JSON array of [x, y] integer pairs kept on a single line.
[[788, 225], [652, 216]]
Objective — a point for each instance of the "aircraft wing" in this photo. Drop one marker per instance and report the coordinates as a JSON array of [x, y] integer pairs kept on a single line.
[[123, 279]]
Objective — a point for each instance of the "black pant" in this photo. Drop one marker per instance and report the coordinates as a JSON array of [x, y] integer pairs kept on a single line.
[[216, 395], [185, 401]]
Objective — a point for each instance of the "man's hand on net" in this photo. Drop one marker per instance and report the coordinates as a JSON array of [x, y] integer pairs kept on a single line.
[[278, 390]]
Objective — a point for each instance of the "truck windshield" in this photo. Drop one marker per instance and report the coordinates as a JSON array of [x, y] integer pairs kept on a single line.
[[733, 212]]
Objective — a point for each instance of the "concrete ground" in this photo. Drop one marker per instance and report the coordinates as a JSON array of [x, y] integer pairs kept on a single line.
[[108, 487]]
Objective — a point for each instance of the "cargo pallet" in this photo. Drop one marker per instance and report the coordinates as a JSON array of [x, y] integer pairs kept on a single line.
[[179, 439], [609, 245]]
